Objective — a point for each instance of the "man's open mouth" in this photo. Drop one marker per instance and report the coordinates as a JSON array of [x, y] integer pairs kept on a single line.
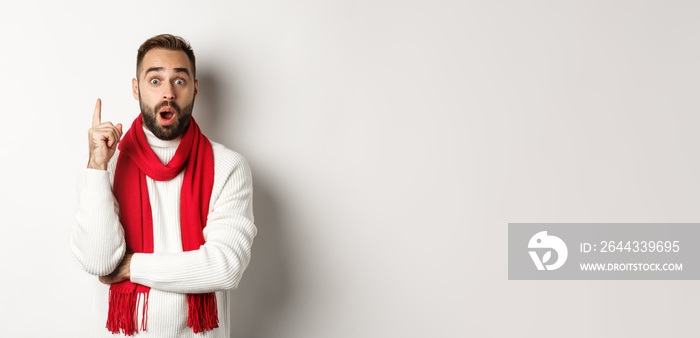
[[166, 114]]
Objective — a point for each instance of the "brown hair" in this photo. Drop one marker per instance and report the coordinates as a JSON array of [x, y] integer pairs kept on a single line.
[[166, 41]]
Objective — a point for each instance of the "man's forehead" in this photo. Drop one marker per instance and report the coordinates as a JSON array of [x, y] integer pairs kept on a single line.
[[160, 59]]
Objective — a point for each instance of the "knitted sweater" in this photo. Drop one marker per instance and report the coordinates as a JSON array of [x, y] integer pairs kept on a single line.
[[98, 245]]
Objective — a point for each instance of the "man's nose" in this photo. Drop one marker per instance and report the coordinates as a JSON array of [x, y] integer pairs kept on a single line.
[[168, 92]]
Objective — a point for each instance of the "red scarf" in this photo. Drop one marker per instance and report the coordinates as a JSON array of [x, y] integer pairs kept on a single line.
[[136, 161]]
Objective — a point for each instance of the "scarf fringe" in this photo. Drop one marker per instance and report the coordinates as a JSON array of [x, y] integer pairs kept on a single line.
[[203, 313], [144, 313], [122, 310]]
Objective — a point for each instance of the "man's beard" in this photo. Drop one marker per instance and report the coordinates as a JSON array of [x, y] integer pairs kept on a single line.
[[169, 132]]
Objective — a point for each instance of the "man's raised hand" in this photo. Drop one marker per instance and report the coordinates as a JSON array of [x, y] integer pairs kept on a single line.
[[103, 138]]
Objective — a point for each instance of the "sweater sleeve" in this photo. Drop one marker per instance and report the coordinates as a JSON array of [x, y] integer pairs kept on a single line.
[[219, 263], [97, 237]]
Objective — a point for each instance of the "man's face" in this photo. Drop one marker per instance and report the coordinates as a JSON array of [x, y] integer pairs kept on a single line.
[[166, 91]]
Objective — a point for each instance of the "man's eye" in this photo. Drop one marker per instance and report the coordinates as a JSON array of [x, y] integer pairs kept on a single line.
[[154, 81], [179, 82]]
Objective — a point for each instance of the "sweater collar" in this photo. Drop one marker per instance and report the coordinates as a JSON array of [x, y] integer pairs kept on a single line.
[[155, 142]]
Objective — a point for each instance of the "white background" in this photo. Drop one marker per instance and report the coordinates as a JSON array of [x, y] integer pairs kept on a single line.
[[391, 142]]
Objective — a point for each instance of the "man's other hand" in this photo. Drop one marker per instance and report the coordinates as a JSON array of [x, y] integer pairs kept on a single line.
[[103, 138], [121, 273]]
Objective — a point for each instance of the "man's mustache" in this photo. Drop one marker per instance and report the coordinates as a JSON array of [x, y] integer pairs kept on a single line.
[[167, 104]]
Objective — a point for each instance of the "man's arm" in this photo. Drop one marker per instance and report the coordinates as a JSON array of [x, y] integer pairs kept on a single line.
[[97, 237], [219, 263], [121, 273]]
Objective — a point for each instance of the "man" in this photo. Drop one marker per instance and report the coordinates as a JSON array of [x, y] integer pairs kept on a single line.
[[165, 217]]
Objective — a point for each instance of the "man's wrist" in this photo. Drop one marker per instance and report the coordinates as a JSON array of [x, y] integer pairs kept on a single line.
[[93, 165]]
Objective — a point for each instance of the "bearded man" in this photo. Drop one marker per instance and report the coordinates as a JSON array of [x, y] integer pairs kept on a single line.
[[165, 216]]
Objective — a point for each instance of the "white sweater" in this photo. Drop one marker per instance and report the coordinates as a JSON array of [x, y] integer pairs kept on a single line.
[[98, 245]]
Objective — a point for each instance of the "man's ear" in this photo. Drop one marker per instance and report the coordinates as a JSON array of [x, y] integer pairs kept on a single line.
[[196, 88], [135, 88]]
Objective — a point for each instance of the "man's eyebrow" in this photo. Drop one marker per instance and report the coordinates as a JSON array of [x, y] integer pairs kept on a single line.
[[153, 69], [183, 70]]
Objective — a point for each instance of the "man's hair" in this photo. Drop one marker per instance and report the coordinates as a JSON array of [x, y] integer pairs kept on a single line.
[[166, 41]]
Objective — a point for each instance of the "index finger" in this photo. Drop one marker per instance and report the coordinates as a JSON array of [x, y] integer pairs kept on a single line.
[[97, 116]]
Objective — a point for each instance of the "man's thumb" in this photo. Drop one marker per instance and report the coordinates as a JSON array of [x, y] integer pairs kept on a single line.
[[119, 127]]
